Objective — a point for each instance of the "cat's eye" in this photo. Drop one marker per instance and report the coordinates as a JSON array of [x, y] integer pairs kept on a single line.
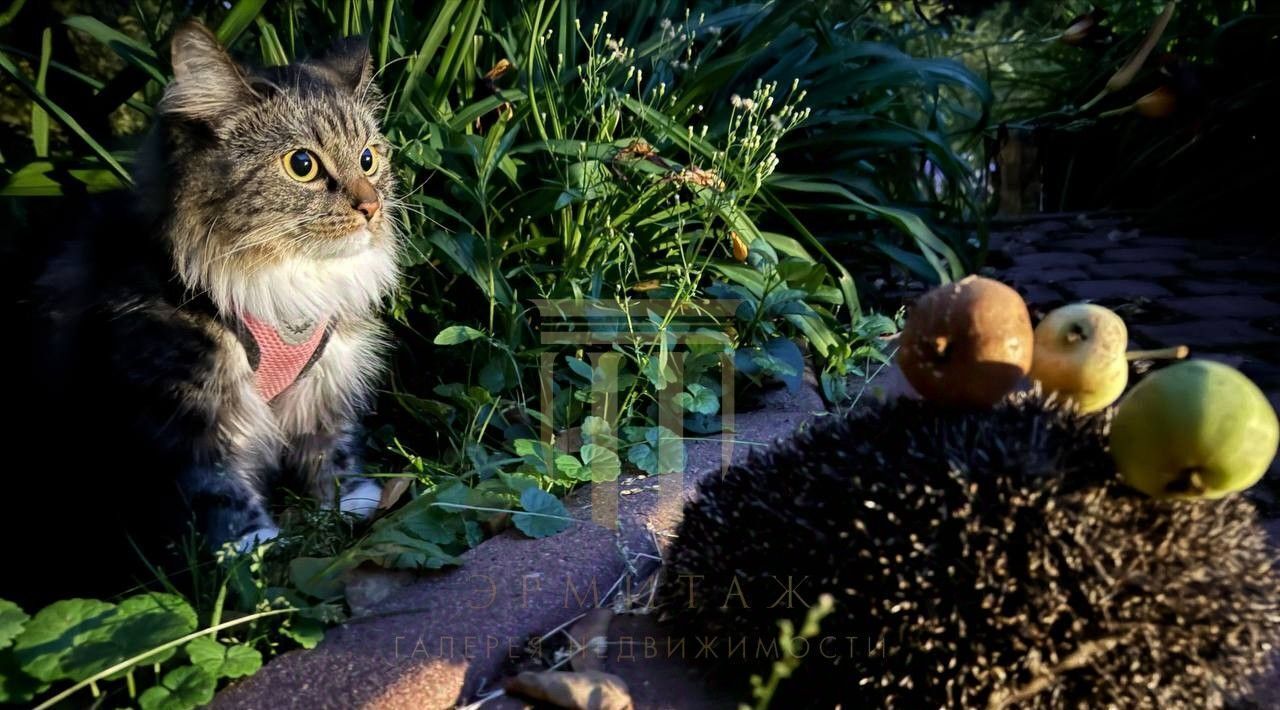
[[301, 165], [369, 160]]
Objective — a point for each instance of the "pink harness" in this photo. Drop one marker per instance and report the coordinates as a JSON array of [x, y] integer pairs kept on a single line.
[[281, 361]]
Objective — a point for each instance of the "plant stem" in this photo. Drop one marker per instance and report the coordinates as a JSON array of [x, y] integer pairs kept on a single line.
[[1178, 352]]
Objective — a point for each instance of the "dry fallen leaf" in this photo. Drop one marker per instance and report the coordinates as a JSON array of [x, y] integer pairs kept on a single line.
[[392, 490], [592, 690], [589, 635]]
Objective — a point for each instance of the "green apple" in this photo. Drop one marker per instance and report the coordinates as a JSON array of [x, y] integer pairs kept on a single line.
[[1079, 353], [1198, 429]]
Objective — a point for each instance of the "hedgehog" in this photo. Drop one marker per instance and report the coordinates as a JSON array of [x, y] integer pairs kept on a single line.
[[976, 559]]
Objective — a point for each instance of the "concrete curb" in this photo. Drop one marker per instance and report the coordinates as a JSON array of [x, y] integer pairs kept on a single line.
[[434, 640]]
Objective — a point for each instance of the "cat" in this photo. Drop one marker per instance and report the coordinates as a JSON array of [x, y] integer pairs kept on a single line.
[[219, 332]]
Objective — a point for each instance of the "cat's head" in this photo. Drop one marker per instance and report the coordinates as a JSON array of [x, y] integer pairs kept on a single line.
[[277, 194]]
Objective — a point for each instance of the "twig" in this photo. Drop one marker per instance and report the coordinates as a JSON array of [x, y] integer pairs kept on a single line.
[[1177, 352], [1082, 656]]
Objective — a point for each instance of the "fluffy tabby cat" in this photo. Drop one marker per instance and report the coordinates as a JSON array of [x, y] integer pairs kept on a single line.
[[220, 331]]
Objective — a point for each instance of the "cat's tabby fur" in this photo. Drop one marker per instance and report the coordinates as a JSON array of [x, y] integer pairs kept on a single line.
[[146, 316]]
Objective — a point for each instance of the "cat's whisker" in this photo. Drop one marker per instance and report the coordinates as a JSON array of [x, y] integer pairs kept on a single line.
[[269, 233]]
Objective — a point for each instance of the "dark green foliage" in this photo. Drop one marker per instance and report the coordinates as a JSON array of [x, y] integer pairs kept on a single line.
[[1207, 163], [978, 558]]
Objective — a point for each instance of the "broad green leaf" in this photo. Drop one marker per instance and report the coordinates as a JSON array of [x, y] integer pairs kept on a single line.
[[471, 255], [12, 619], [571, 467], [140, 623], [658, 368], [596, 430], [42, 178], [398, 547], [222, 661], [779, 357], [661, 451], [182, 688], [307, 633], [698, 399], [473, 533], [544, 514], [432, 523], [579, 368], [518, 482], [16, 686], [493, 376], [601, 463], [535, 453], [50, 637], [315, 577], [455, 334]]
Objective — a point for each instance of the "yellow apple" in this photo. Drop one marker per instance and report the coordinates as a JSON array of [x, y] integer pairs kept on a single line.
[[1079, 353], [1198, 429]]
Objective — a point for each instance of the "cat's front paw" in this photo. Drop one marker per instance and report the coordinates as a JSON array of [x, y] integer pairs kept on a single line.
[[362, 499], [256, 537]]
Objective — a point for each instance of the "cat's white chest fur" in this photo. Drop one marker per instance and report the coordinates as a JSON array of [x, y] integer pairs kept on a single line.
[[336, 386], [329, 393]]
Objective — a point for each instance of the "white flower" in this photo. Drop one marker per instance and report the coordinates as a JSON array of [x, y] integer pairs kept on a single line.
[[735, 101], [748, 104]]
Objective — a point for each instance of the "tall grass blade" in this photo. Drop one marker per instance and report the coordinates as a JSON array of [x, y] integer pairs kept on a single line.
[[40, 117], [63, 117]]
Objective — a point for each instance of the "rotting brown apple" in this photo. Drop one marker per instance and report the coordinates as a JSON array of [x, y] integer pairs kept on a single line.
[[967, 343]]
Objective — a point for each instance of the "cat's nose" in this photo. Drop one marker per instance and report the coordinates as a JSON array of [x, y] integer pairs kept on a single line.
[[364, 198], [368, 209]]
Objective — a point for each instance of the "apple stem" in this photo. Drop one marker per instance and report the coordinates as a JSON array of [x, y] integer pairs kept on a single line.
[[1178, 352], [1188, 482]]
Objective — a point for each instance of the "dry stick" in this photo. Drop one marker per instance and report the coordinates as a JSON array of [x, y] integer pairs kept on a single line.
[[1082, 656], [1177, 352]]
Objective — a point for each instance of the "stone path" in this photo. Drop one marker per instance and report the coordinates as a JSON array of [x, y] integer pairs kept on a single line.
[[1219, 294]]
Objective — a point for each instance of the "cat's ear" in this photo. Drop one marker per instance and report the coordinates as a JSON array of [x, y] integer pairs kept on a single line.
[[207, 83], [351, 63]]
